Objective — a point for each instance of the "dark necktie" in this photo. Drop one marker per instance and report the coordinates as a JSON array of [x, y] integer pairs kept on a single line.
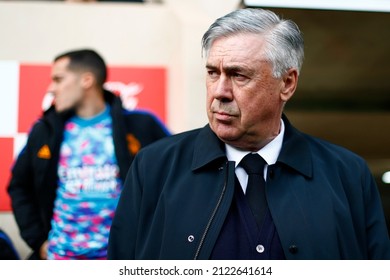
[[255, 191]]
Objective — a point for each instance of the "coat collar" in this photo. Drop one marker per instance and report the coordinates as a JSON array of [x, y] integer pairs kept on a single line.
[[295, 151], [208, 148]]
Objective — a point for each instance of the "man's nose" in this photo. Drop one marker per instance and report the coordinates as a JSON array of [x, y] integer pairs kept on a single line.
[[50, 88], [223, 89]]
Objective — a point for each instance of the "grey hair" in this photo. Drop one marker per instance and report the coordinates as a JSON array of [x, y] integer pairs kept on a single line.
[[285, 46]]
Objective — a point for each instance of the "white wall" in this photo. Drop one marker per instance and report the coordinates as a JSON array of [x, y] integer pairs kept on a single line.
[[165, 35]]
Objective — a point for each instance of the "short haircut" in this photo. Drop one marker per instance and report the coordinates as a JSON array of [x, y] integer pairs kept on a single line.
[[285, 45], [86, 60]]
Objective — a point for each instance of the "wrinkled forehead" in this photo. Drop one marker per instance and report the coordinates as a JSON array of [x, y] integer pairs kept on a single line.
[[237, 48]]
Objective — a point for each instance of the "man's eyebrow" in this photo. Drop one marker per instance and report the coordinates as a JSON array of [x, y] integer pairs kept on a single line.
[[209, 66], [232, 68], [56, 77]]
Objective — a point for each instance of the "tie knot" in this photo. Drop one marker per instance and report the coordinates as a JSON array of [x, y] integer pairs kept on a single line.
[[253, 163]]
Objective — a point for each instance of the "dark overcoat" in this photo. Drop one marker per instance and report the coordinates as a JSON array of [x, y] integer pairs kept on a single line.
[[34, 179], [322, 198]]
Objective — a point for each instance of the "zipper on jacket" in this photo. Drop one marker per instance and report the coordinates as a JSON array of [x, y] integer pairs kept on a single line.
[[213, 213]]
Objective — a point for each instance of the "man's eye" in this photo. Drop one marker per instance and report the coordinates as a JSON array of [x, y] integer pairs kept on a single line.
[[239, 77], [212, 73]]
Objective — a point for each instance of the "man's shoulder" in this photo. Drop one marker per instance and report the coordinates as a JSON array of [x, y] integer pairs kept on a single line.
[[138, 113], [327, 145], [178, 141], [141, 115], [44, 122], [317, 145], [332, 152]]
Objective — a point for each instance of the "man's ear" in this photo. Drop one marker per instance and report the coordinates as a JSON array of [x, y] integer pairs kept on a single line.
[[290, 82], [87, 80]]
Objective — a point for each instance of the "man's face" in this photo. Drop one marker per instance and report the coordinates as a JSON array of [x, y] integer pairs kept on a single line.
[[66, 86], [244, 103]]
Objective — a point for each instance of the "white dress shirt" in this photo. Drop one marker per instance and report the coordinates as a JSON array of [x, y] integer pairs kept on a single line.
[[269, 153]]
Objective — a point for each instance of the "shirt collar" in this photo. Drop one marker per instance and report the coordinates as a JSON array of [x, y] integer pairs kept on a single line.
[[269, 152]]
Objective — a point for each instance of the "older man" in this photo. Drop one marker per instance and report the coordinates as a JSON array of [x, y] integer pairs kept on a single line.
[[197, 195]]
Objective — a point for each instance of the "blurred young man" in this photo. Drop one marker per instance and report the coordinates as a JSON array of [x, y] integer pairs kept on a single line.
[[67, 180]]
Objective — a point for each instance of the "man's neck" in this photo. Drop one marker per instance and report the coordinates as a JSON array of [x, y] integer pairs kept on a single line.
[[93, 105]]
